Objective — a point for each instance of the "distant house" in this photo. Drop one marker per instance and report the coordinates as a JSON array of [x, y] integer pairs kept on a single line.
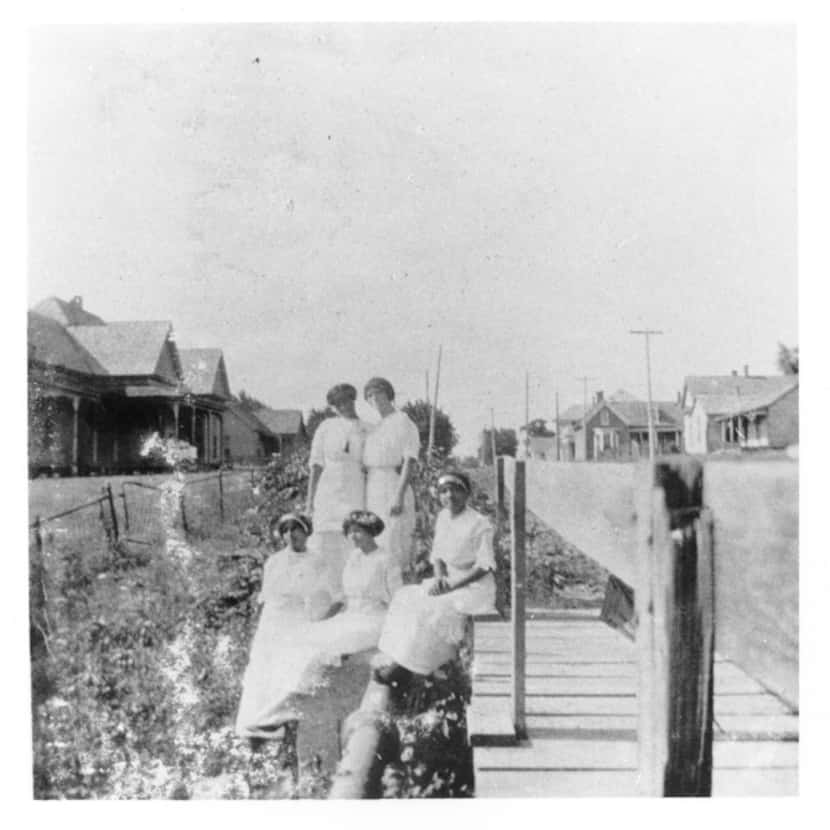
[[618, 428], [571, 435], [247, 439], [97, 390], [739, 412], [286, 424]]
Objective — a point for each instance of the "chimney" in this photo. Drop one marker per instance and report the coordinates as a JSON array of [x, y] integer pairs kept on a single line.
[[599, 397], [734, 373], [77, 301], [746, 370]]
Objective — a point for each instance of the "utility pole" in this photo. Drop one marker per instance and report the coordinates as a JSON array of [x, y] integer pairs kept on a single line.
[[527, 414], [647, 334], [426, 398], [434, 404], [585, 380], [558, 442], [493, 433]]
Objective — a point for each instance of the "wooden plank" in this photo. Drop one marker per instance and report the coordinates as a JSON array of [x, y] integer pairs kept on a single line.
[[755, 508], [781, 727], [762, 783], [590, 505], [749, 705], [540, 667], [490, 722], [559, 784], [517, 595], [576, 705], [558, 686], [562, 754], [755, 754], [576, 724]]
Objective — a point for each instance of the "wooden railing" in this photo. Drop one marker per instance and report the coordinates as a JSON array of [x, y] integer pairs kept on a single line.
[[711, 551]]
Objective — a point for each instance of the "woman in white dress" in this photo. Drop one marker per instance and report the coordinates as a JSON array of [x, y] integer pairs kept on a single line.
[[337, 481], [299, 658], [297, 587], [390, 455], [425, 623]]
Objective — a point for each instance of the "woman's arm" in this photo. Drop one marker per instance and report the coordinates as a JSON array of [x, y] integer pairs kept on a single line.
[[445, 586], [316, 472], [403, 482]]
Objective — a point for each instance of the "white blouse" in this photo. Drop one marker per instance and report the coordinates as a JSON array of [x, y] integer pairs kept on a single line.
[[290, 577], [392, 441], [370, 580], [337, 440], [463, 542]]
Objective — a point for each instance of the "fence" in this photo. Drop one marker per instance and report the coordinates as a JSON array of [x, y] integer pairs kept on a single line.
[[711, 550], [132, 512]]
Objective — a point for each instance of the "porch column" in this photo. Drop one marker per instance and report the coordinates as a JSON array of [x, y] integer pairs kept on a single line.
[[76, 403], [94, 438], [207, 436], [221, 426], [176, 419], [193, 424]]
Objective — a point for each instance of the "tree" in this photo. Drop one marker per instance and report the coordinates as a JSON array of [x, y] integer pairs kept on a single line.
[[249, 402], [445, 435], [538, 428], [506, 444], [788, 359], [315, 418]]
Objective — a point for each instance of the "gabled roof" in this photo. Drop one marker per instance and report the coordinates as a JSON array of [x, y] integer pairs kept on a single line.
[[247, 417], [281, 421], [129, 348], [634, 413], [695, 386], [51, 343], [204, 373], [572, 413], [67, 313], [729, 406]]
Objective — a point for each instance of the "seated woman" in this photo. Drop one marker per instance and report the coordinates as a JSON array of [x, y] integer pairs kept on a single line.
[[297, 587], [425, 623], [298, 661]]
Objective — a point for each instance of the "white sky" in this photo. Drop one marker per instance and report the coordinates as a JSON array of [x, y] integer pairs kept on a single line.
[[522, 194]]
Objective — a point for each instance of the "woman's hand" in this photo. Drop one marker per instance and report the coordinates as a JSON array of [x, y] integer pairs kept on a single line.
[[440, 586], [397, 507]]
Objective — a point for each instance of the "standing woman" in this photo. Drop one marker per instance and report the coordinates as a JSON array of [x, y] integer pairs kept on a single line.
[[390, 455], [337, 483]]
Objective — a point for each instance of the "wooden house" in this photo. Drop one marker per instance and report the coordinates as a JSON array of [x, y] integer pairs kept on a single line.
[[739, 412], [97, 390]]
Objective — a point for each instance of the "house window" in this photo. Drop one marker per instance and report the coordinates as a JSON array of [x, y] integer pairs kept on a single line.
[[604, 418]]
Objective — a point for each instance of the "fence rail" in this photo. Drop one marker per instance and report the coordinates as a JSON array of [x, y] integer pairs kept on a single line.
[[133, 513]]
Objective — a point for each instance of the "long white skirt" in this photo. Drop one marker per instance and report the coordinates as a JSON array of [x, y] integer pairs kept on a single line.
[[289, 656], [423, 632], [397, 537]]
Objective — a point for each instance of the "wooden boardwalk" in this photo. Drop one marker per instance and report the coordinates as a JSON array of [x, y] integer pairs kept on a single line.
[[581, 705]]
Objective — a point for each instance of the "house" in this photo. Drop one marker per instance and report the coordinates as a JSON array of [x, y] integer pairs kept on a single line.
[[571, 443], [247, 439], [739, 412], [617, 428], [98, 389], [286, 424]]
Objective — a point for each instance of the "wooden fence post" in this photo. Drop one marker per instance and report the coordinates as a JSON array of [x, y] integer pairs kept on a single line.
[[113, 514], [126, 511], [183, 512], [500, 486], [38, 536], [221, 499], [517, 598], [674, 598]]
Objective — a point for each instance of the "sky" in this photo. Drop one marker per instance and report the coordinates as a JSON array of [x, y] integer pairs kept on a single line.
[[330, 202]]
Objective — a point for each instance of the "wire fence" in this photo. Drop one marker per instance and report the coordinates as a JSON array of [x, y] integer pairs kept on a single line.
[[132, 512]]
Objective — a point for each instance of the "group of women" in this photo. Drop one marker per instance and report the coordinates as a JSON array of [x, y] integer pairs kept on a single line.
[[335, 588]]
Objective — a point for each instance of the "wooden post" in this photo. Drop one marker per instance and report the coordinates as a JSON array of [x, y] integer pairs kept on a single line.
[[76, 403], [674, 598], [38, 536], [500, 486], [183, 512], [113, 514], [221, 498], [126, 511], [517, 604]]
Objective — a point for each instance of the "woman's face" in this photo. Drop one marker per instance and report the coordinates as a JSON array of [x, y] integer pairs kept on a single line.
[[295, 538], [344, 407], [378, 399], [361, 538], [453, 497]]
